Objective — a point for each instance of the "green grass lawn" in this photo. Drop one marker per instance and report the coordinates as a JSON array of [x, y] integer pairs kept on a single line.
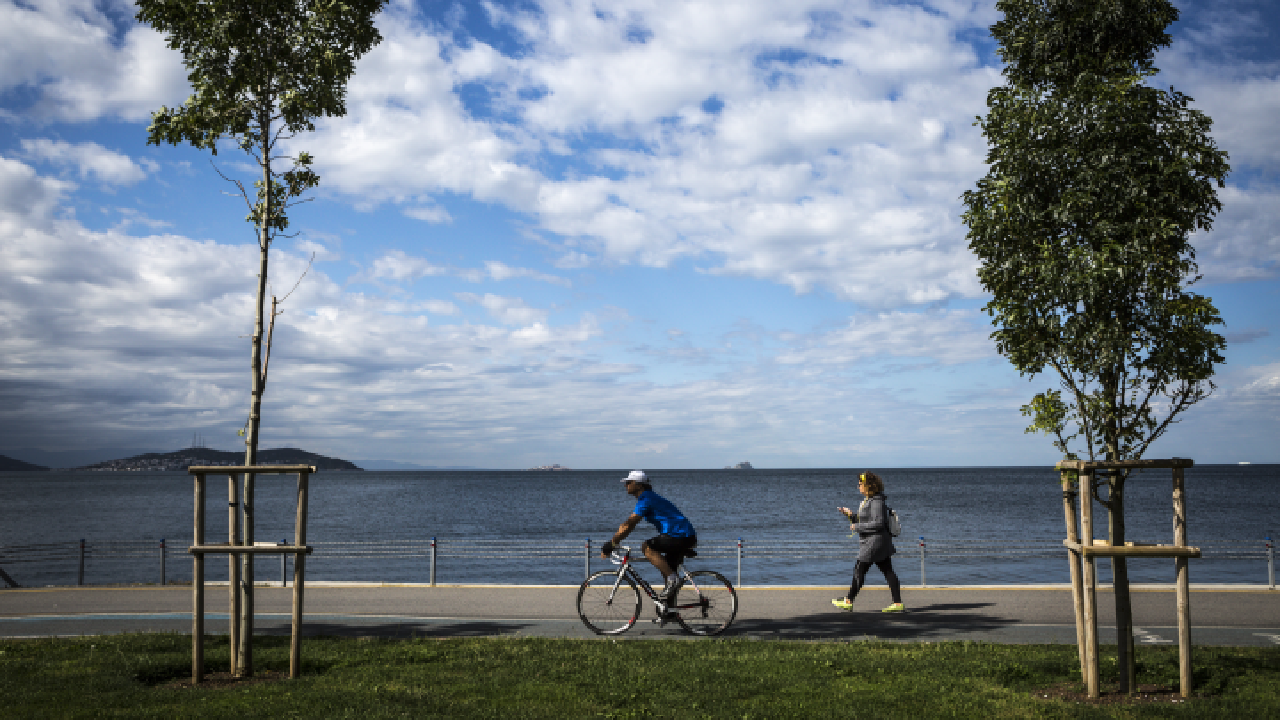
[[146, 676]]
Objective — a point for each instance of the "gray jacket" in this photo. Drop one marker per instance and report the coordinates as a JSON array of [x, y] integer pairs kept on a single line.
[[875, 544]]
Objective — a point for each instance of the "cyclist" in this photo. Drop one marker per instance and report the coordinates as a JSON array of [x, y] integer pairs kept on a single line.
[[676, 536]]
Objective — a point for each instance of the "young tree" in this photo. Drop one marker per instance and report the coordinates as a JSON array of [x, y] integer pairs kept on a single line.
[[261, 71], [1082, 225]]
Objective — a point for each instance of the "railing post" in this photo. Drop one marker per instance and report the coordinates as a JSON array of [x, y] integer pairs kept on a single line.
[[1271, 564], [739, 562], [161, 562], [588, 560], [283, 581], [433, 561], [81, 580], [922, 580]]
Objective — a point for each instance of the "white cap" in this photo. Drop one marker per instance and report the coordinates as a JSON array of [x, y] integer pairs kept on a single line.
[[636, 476]]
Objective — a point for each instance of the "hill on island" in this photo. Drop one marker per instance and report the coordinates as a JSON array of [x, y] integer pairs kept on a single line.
[[8, 463], [183, 459]]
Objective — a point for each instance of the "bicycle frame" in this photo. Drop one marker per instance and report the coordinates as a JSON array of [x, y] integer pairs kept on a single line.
[[628, 570]]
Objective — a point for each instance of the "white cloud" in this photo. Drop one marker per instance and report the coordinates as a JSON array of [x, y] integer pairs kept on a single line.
[[434, 214], [84, 65], [89, 159], [1264, 384], [510, 311], [440, 307], [26, 199], [836, 159], [946, 337], [1242, 97], [500, 271], [1245, 242], [399, 266]]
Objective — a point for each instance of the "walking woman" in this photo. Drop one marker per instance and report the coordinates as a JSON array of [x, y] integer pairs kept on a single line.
[[875, 543]]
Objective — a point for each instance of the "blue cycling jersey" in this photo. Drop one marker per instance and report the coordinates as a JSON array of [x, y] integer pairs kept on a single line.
[[665, 516]]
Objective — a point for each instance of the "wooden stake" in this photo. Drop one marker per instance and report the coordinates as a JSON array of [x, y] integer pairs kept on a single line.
[[1184, 583], [197, 590], [299, 570], [246, 593], [1077, 592], [233, 569], [1090, 583]]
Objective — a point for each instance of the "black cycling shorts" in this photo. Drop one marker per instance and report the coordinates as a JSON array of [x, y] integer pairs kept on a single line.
[[673, 549]]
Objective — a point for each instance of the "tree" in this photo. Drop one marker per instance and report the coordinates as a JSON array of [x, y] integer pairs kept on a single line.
[[1095, 183], [261, 71]]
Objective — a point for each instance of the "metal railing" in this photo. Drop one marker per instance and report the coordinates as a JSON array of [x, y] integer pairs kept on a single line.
[[16, 558]]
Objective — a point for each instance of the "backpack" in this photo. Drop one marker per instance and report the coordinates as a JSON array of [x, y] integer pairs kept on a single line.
[[895, 525]]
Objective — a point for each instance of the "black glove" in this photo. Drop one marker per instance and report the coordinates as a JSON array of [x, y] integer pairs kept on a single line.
[[607, 547]]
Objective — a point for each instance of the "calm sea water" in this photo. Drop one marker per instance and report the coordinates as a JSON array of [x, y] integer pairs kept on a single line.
[[530, 510]]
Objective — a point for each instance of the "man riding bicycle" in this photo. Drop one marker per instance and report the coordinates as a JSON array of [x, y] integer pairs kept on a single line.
[[676, 536]]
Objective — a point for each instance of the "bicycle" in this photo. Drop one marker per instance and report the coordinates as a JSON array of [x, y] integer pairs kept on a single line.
[[703, 601]]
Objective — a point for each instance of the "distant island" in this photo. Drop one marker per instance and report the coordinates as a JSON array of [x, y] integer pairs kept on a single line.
[[8, 464], [744, 465], [182, 459], [550, 467]]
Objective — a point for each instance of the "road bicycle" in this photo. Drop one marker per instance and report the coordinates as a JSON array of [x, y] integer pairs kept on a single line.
[[609, 603]]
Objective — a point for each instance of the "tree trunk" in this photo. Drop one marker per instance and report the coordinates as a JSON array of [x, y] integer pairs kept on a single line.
[[1126, 665], [256, 387]]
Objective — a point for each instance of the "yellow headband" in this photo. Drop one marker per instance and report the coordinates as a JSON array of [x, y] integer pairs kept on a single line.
[[862, 477]]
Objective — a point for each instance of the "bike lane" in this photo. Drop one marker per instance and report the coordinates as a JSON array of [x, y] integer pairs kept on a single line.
[[1221, 615]]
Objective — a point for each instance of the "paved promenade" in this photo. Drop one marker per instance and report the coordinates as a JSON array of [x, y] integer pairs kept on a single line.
[[1221, 615]]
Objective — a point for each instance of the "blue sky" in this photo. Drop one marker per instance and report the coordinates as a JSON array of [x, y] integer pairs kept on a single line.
[[624, 234]]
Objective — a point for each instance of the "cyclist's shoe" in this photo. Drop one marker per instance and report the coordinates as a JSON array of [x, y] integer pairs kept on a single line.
[[896, 607], [667, 591], [843, 603]]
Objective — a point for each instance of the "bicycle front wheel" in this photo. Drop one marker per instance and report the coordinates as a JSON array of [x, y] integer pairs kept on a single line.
[[705, 603], [604, 609]]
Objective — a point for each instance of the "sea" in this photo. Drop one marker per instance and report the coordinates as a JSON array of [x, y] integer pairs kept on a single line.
[[994, 525]]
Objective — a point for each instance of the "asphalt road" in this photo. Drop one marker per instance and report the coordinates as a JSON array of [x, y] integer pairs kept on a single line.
[[1237, 615]]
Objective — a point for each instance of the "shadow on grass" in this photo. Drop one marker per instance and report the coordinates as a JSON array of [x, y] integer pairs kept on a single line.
[[401, 630]]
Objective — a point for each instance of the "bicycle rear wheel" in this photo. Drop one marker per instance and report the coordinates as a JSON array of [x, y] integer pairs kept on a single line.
[[705, 603], [604, 611]]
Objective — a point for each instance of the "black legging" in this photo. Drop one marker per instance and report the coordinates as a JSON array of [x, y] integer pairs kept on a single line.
[[886, 567]]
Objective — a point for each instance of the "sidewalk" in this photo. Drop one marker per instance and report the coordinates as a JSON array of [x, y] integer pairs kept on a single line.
[[1221, 615]]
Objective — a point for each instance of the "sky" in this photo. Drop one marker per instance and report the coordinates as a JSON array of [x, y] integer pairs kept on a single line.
[[599, 234]]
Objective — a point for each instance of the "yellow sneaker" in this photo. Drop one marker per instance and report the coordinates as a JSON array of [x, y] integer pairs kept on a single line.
[[842, 603], [896, 607]]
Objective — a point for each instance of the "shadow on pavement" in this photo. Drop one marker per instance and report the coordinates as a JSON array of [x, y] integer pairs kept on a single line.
[[949, 620]]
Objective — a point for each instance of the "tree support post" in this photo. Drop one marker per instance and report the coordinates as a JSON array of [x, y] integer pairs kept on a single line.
[[1184, 583], [233, 572], [244, 650], [299, 570], [241, 644], [1090, 582], [197, 590], [1069, 493], [1089, 550]]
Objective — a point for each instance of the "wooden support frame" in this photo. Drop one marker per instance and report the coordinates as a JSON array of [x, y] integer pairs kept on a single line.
[[1085, 549], [1070, 491], [240, 550]]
